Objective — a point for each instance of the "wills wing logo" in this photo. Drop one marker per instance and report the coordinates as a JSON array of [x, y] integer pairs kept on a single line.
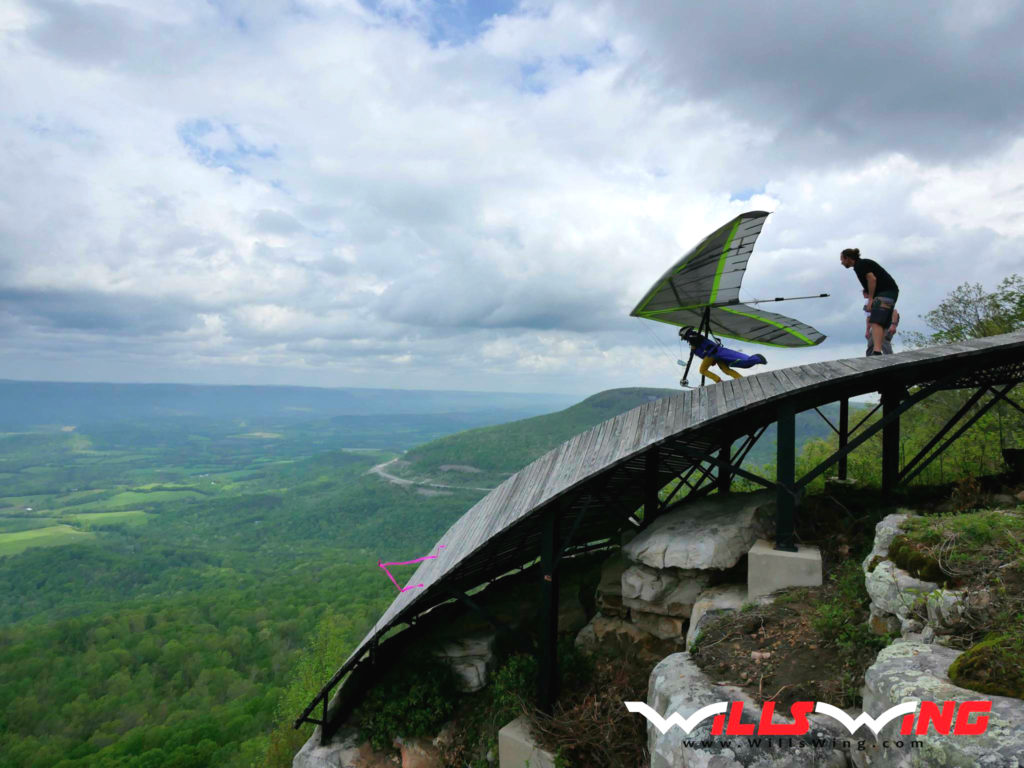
[[874, 724], [953, 717], [686, 723]]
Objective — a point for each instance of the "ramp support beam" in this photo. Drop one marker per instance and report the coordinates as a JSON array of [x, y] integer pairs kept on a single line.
[[724, 478], [785, 492], [547, 684], [844, 434], [891, 437]]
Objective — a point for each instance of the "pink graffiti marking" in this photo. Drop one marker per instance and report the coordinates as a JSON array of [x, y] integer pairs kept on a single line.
[[407, 562]]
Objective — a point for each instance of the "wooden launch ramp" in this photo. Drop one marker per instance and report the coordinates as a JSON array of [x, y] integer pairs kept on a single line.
[[584, 493]]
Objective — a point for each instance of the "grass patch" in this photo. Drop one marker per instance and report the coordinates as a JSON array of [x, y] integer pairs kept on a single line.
[[17, 524], [144, 498], [982, 553], [53, 536], [123, 517]]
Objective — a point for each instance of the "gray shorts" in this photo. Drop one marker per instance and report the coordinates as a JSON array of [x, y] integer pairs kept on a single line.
[[881, 311]]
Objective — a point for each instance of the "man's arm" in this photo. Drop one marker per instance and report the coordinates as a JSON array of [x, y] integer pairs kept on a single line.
[[891, 331]]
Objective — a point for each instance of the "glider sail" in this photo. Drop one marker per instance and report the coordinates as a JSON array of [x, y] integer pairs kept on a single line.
[[704, 287]]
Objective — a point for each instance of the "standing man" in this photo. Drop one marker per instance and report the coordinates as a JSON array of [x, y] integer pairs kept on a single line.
[[880, 290], [889, 332]]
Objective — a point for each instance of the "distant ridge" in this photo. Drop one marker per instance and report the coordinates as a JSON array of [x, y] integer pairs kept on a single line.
[[506, 448], [37, 403]]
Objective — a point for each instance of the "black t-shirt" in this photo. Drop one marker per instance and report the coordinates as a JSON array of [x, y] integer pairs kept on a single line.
[[883, 280]]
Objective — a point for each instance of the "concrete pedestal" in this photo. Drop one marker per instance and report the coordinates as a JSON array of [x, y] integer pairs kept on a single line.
[[769, 570], [516, 748]]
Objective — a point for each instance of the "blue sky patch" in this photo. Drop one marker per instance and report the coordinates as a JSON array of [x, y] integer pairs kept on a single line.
[[447, 22], [746, 193], [216, 145]]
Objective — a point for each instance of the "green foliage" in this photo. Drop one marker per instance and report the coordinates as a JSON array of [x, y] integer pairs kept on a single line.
[[969, 542], [172, 680], [227, 611], [413, 699], [971, 312], [514, 684], [840, 619]]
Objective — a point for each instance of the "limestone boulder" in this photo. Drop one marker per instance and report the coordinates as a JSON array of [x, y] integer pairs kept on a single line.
[[342, 752], [884, 623], [470, 658], [645, 584], [669, 592], [910, 671], [676, 684], [946, 608], [895, 591], [887, 529], [712, 602], [711, 533], [665, 627]]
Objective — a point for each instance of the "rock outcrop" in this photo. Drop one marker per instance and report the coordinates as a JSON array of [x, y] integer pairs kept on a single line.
[[914, 671], [342, 752], [678, 685], [665, 570], [470, 658], [725, 598], [711, 533]]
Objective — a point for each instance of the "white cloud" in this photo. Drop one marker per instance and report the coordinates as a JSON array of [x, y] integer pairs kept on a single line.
[[323, 193]]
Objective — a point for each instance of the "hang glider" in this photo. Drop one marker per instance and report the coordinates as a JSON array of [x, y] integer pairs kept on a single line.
[[702, 290]]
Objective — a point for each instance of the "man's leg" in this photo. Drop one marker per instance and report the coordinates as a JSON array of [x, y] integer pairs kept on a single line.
[[877, 332], [879, 319], [730, 371], [705, 364]]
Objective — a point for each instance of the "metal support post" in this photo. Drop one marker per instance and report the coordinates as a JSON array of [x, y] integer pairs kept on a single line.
[[844, 433], [785, 462], [547, 687], [724, 479], [891, 438]]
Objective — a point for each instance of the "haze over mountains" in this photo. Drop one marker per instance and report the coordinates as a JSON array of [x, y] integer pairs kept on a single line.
[[29, 403]]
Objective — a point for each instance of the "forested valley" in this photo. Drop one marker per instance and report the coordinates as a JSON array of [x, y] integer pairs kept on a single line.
[[174, 589]]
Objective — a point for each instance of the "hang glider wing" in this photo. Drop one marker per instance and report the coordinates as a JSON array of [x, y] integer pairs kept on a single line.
[[709, 276]]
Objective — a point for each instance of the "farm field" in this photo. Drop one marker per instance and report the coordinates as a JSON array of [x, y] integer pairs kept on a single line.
[[49, 536]]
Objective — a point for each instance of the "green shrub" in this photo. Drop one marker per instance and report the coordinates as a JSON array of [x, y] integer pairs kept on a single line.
[[514, 684], [413, 699], [841, 618]]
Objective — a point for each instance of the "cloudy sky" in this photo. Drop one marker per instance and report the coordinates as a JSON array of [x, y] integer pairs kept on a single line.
[[473, 195]]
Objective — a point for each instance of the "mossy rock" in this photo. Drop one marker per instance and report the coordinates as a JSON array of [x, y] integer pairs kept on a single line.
[[905, 554], [874, 563], [994, 666]]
